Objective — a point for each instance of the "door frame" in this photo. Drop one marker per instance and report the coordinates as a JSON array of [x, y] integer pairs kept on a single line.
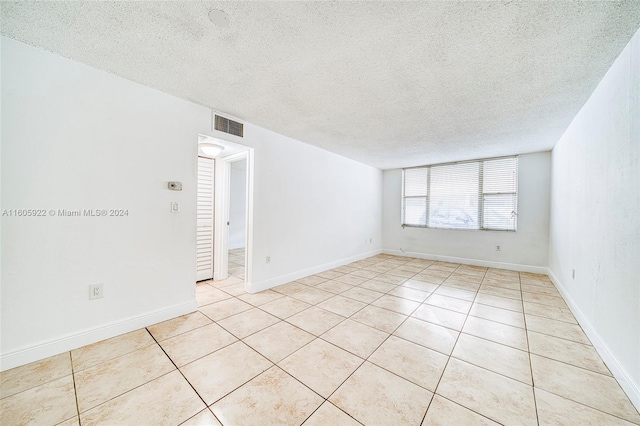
[[221, 214]]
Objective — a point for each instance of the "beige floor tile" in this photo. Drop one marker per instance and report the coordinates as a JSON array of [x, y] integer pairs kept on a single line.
[[206, 294], [430, 277], [505, 316], [505, 284], [257, 299], [342, 305], [186, 347], [461, 284], [179, 325], [471, 276], [227, 282], [378, 286], [105, 350], [356, 338], [278, 341], [374, 396], [586, 387], [401, 272], [34, 374], [450, 303], [74, 421], [439, 316], [102, 382], [327, 275], [420, 285], [203, 418], [314, 280], [224, 308], [544, 299], [497, 332], [362, 294], [329, 414], [409, 293], [382, 319], [558, 314], [573, 353], [499, 302], [554, 410], [321, 366], [391, 279], [350, 279], [502, 274], [443, 412], [236, 289], [498, 358], [561, 329], [315, 320], [396, 304], [219, 373], [501, 399], [333, 286], [365, 274], [312, 295], [456, 293], [292, 287], [345, 269], [172, 398], [285, 307], [50, 403], [548, 290], [429, 335], [500, 292], [248, 322], [272, 398], [410, 361]]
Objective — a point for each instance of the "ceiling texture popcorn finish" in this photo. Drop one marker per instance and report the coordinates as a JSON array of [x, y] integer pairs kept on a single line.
[[390, 84]]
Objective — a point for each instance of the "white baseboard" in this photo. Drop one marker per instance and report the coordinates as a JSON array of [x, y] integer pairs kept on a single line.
[[86, 337], [466, 261], [631, 388], [283, 279]]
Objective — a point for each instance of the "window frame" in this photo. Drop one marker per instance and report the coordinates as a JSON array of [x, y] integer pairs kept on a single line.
[[481, 195]]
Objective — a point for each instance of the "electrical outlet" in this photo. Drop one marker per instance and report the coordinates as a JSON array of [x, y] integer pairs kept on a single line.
[[498, 248], [268, 259], [573, 274], [175, 208], [96, 291]]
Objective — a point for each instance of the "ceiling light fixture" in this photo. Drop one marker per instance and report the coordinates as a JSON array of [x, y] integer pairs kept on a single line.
[[210, 149], [219, 18]]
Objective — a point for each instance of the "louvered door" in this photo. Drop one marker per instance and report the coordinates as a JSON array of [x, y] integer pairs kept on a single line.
[[204, 239]]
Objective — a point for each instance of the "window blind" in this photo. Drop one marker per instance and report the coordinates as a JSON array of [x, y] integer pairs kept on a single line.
[[480, 194]]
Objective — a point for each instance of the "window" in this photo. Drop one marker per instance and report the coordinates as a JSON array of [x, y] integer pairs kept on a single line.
[[480, 194]]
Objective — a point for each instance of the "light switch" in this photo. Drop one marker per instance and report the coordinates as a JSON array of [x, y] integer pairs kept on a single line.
[[174, 207]]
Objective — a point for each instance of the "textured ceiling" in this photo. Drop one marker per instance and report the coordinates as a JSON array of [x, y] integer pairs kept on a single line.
[[390, 84]]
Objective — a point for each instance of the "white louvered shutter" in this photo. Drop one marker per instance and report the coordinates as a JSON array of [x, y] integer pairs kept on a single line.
[[204, 235]]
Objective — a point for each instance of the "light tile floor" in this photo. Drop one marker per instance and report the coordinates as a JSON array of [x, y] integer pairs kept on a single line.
[[382, 341], [236, 262]]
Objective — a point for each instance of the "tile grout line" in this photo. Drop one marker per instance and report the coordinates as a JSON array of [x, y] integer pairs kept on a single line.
[[533, 380], [184, 377], [75, 389]]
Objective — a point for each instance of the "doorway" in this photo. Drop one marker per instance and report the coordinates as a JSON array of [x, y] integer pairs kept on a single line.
[[224, 212], [237, 218]]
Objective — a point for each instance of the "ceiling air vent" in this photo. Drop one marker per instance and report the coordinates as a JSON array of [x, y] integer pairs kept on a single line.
[[228, 126]]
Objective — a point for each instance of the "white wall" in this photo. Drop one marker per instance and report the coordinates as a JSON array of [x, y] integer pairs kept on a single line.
[[526, 249], [313, 210], [73, 138], [595, 217], [237, 204]]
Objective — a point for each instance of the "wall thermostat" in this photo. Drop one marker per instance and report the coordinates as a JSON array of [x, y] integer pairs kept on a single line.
[[175, 186]]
